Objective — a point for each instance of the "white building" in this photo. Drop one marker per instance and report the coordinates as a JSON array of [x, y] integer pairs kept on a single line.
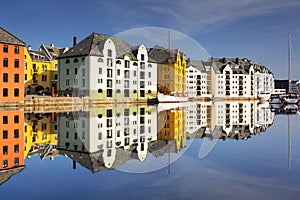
[[107, 129], [106, 68], [197, 80], [240, 79]]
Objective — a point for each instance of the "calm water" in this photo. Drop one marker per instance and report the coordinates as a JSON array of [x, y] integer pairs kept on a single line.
[[152, 152]]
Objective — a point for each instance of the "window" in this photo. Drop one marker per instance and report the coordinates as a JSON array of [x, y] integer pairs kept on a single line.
[[5, 48], [16, 133], [118, 72], [67, 61], [5, 92], [16, 63], [100, 91], [5, 134], [126, 93], [126, 83], [16, 148], [67, 82], [16, 92], [149, 74], [75, 71], [16, 161], [83, 72], [44, 126], [142, 65], [109, 52], [75, 60], [100, 70], [67, 71], [83, 83], [16, 119], [126, 73], [17, 51], [142, 57], [4, 163], [127, 63], [5, 150], [109, 83], [109, 62], [44, 78], [109, 93], [5, 62], [142, 75], [16, 78], [5, 77], [44, 68], [25, 77]]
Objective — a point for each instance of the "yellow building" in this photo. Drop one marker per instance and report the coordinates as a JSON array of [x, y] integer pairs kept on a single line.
[[172, 126], [41, 68], [171, 70], [40, 131]]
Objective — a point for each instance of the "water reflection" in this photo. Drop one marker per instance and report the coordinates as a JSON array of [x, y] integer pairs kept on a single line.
[[112, 137]]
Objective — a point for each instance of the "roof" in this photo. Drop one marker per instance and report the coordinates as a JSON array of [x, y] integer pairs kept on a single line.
[[8, 38], [5, 175], [93, 45], [197, 64], [39, 53], [161, 55], [52, 52]]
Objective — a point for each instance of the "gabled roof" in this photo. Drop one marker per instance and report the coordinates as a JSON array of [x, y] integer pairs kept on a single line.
[[8, 38], [198, 64], [52, 52], [38, 53], [94, 44], [161, 55]]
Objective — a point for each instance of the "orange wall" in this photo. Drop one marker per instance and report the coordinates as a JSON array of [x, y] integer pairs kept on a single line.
[[11, 141], [11, 70]]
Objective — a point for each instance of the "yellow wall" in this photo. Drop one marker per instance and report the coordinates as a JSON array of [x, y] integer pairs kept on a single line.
[[36, 134], [49, 69]]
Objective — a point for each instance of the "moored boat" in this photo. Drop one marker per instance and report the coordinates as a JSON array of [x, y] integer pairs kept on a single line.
[[162, 98], [264, 95], [291, 99]]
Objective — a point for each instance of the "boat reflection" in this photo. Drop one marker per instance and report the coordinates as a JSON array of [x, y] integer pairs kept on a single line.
[[104, 138]]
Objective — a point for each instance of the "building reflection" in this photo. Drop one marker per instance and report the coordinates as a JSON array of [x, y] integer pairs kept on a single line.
[[105, 138], [11, 143]]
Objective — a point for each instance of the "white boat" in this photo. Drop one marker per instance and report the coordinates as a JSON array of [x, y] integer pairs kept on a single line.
[[275, 99], [290, 108], [291, 99], [264, 95], [162, 98]]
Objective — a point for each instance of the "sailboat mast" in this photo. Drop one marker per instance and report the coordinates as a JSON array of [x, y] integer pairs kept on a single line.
[[289, 60]]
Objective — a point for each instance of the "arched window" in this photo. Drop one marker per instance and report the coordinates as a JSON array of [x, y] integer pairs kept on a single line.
[[134, 91], [135, 64], [75, 60], [149, 65], [118, 91], [149, 91], [100, 91], [67, 61], [118, 62], [100, 116], [100, 60]]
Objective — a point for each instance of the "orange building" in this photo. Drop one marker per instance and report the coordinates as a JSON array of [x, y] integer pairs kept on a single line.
[[11, 139], [12, 68]]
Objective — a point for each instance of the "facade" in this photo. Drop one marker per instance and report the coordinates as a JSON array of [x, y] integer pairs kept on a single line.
[[105, 131], [41, 69], [12, 68], [171, 70], [12, 139], [40, 133], [290, 86], [197, 83], [106, 68], [240, 79]]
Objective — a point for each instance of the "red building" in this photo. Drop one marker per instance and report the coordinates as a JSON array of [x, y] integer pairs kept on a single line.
[[12, 68]]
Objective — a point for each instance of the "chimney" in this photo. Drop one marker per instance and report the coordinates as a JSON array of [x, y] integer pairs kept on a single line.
[[51, 45], [29, 47], [74, 41]]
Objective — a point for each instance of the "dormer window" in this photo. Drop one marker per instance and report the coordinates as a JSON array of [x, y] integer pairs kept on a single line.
[[67, 61], [109, 53]]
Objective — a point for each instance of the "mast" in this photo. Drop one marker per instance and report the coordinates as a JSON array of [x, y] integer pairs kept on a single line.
[[289, 60], [289, 145]]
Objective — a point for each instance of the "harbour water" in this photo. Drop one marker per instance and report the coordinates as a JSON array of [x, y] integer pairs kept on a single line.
[[197, 150]]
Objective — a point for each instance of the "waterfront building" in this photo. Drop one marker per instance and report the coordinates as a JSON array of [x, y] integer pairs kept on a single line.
[[12, 68], [171, 70], [197, 83], [289, 86], [107, 68], [240, 79], [41, 69]]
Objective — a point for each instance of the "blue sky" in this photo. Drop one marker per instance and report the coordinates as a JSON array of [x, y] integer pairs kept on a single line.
[[256, 29]]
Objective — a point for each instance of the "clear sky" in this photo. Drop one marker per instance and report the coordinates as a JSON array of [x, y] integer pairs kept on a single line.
[[256, 29]]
